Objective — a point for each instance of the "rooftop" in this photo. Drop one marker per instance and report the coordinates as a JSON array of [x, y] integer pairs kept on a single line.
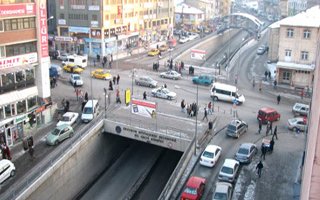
[[187, 9], [290, 65]]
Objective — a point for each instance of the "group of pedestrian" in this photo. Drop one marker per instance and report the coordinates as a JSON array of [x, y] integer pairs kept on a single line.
[[267, 75], [192, 109], [105, 60], [79, 94], [53, 82], [116, 80]]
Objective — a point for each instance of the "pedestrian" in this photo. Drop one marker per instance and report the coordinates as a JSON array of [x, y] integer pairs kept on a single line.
[[103, 63], [114, 80], [165, 85], [268, 128], [54, 81], [260, 126], [31, 152], [118, 79], [263, 152], [110, 85], [67, 106], [210, 108], [275, 84], [236, 79], [118, 100], [189, 110], [260, 85], [83, 104], [265, 75], [80, 95], [253, 82], [271, 145], [278, 99], [98, 57], [111, 58], [205, 114], [259, 168], [144, 95], [183, 105], [77, 94], [105, 59], [75, 85], [275, 134], [269, 75], [110, 64], [86, 98]]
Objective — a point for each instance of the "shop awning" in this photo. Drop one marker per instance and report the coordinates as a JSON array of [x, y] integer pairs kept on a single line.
[[18, 95]]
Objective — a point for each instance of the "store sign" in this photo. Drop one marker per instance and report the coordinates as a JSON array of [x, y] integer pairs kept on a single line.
[[77, 29], [94, 7], [62, 22], [63, 39], [95, 33], [18, 60], [94, 23], [7, 10], [78, 7], [198, 54], [44, 47]]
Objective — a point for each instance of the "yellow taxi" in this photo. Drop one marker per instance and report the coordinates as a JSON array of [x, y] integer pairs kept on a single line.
[[153, 52], [101, 74], [72, 68], [163, 47]]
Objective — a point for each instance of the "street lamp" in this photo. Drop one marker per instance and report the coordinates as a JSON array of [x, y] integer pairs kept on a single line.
[[132, 76]]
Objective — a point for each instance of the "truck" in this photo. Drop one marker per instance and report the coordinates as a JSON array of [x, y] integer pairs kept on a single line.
[[80, 61]]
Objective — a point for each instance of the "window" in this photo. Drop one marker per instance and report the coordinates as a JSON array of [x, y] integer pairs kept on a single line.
[[2, 50], [304, 55], [7, 110], [1, 25], [19, 24], [18, 49], [94, 17], [21, 107], [288, 53], [286, 76], [289, 32], [61, 16], [1, 113], [306, 34], [14, 24], [32, 102]]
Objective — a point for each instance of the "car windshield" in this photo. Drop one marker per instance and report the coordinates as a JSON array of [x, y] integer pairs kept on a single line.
[[66, 118], [232, 128], [148, 79], [55, 132], [208, 154], [190, 190], [227, 170], [166, 91], [87, 110], [220, 196], [76, 77], [293, 120], [261, 113], [243, 151]]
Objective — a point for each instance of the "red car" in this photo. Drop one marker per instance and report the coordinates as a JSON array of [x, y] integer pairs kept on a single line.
[[194, 188], [268, 114]]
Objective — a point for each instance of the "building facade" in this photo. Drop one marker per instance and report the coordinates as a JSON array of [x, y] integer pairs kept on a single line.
[[97, 27], [296, 49], [24, 66], [188, 17]]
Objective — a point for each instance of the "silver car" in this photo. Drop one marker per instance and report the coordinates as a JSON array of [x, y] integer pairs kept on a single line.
[[164, 93], [300, 109], [223, 191], [298, 123], [146, 81], [75, 79], [171, 75], [236, 128], [246, 152]]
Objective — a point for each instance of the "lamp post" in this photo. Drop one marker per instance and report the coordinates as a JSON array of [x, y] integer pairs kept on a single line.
[[132, 76]]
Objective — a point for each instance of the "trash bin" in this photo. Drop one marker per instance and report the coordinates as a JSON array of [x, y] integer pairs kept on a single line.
[[191, 70], [210, 125]]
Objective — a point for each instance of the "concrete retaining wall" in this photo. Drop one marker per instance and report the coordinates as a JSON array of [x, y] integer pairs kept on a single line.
[[78, 168]]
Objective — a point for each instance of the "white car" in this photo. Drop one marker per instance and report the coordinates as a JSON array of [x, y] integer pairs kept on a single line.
[[298, 123], [229, 170], [210, 155], [171, 75], [223, 191], [7, 169], [164, 93], [194, 36], [75, 79], [63, 56], [183, 40], [68, 118]]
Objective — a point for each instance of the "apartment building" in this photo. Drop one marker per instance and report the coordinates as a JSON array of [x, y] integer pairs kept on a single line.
[[188, 17], [24, 67], [101, 27], [295, 51]]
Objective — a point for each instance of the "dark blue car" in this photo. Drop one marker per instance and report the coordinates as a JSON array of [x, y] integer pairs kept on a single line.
[[203, 80]]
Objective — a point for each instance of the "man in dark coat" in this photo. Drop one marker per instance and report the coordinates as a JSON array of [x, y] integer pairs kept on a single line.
[[259, 168]]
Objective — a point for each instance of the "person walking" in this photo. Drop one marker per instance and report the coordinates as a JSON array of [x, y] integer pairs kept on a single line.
[[77, 94], [263, 152], [210, 108], [118, 79], [86, 97], [118, 100], [205, 114], [271, 145], [275, 84], [269, 75], [110, 85], [183, 105], [278, 99], [31, 152], [253, 82], [275, 134], [260, 86], [259, 168], [144, 95], [265, 75], [114, 80], [260, 125], [268, 128]]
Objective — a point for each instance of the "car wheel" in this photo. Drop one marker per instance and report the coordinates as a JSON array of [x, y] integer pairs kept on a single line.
[[278, 118], [12, 173], [150, 86], [71, 135], [215, 98], [56, 142], [295, 129], [169, 98]]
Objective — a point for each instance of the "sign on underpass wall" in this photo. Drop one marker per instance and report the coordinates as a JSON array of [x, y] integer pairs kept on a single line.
[[197, 54]]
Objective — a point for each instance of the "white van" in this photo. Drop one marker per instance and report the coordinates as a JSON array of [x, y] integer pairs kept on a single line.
[[90, 110], [225, 92], [7, 169], [81, 61]]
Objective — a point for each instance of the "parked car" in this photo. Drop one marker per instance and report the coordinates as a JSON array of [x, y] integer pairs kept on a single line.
[[246, 152], [146, 81], [236, 128], [194, 188], [164, 93], [63, 56], [59, 134], [261, 50], [210, 155], [229, 170], [153, 52], [76, 80], [300, 109], [268, 114], [71, 68], [183, 40], [7, 170], [203, 80], [101, 74], [163, 48], [193, 36], [223, 191], [68, 118], [298, 123], [171, 75]]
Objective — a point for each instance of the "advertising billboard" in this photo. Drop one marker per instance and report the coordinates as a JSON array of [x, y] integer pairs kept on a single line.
[[43, 28], [14, 10], [143, 108]]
